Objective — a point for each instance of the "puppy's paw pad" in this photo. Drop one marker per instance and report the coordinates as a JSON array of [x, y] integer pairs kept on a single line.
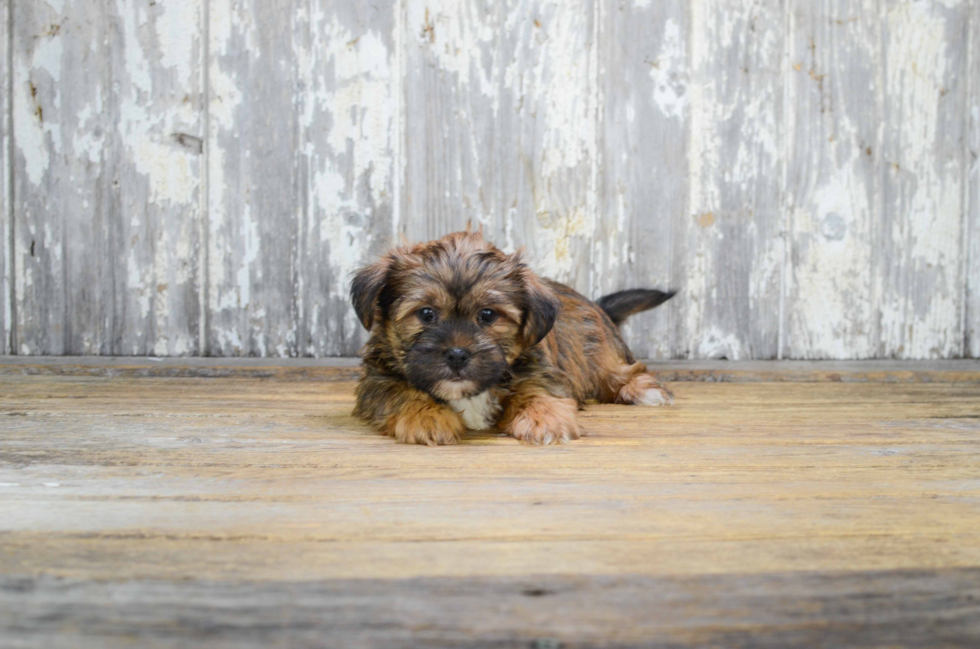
[[433, 426], [546, 421]]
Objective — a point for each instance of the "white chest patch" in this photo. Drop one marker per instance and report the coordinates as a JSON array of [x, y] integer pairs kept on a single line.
[[479, 412]]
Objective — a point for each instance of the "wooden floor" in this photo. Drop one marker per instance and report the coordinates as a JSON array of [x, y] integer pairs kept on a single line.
[[241, 512]]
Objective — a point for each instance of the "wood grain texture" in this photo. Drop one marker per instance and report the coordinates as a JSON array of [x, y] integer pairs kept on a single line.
[[349, 369], [972, 157], [921, 237], [6, 182], [833, 196], [731, 304], [153, 157], [61, 96], [236, 512], [107, 147], [301, 170], [917, 608], [643, 192], [256, 195], [804, 172], [500, 127], [348, 110]]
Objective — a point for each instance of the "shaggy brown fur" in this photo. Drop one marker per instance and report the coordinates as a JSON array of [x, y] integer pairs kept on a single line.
[[456, 322]]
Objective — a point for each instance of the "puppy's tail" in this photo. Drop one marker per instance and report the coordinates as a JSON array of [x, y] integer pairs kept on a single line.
[[622, 305]]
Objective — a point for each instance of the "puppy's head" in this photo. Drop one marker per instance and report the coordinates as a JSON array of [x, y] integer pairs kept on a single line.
[[454, 313]]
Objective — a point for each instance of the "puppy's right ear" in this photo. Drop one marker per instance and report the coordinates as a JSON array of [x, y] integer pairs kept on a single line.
[[365, 289]]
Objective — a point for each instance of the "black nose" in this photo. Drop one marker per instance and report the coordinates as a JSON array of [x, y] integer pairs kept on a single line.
[[457, 358]]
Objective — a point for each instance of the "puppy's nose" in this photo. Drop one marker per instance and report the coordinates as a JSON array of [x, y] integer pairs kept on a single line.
[[457, 358]]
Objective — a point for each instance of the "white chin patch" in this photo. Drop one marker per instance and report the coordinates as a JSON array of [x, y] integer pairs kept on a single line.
[[452, 390], [479, 412]]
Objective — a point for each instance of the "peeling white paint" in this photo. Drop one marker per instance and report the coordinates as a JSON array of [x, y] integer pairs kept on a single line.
[[177, 37], [350, 77], [922, 323], [456, 39], [669, 73], [716, 343]]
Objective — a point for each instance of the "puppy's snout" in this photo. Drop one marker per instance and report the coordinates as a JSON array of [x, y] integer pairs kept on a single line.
[[457, 358]]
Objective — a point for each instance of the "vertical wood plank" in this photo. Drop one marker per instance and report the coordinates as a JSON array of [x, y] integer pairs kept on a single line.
[[833, 190], [61, 94], [105, 116], [255, 187], [6, 184], [451, 102], [729, 248], [920, 251], [154, 161], [347, 109], [643, 190], [300, 170], [972, 161], [500, 127]]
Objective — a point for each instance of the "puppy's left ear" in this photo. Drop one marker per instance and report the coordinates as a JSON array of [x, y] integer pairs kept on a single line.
[[541, 309], [365, 289]]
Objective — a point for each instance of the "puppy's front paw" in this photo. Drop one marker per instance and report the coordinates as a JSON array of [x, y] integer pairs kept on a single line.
[[546, 420], [430, 424], [643, 390]]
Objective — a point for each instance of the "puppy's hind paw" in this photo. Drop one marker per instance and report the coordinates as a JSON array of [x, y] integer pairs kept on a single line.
[[643, 390], [546, 420]]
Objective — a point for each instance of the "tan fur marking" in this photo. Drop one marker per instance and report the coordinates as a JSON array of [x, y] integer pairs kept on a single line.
[[421, 422], [540, 418]]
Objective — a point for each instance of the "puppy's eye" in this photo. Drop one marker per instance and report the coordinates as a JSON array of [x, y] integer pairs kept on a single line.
[[427, 315], [487, 316]]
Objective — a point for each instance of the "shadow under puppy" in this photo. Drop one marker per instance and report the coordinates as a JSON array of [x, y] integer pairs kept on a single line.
[[465, 336]]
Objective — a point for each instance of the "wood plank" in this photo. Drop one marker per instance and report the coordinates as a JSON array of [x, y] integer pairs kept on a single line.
[[971, 345], [6, 182], [240, 512], [737, 478], [348, 369], [729, 248], [349, 78], [61, 107], [894, 608], [153, 160], [301, 171], [920, 265], [256, 190], [107, 148], [500, 124], [833, 190], [644, 75]]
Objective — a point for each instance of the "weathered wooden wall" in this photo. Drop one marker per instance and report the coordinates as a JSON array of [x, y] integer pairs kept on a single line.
[[189, 177]]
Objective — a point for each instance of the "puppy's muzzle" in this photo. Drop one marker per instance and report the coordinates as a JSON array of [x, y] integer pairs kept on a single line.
[[457, 358]]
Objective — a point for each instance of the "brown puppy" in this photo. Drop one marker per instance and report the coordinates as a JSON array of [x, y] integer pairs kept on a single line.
[[465, 336]]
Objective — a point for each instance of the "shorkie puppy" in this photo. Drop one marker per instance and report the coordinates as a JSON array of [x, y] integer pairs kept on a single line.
[[465, 336]]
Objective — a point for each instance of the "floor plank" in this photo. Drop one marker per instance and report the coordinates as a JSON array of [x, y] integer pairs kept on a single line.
[[251, 512]]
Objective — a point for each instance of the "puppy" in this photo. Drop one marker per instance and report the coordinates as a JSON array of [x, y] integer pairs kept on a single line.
[[464, 336]]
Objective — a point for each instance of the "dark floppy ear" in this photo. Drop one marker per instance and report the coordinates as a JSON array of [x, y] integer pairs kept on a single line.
[[541, 308], [365, 289]]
